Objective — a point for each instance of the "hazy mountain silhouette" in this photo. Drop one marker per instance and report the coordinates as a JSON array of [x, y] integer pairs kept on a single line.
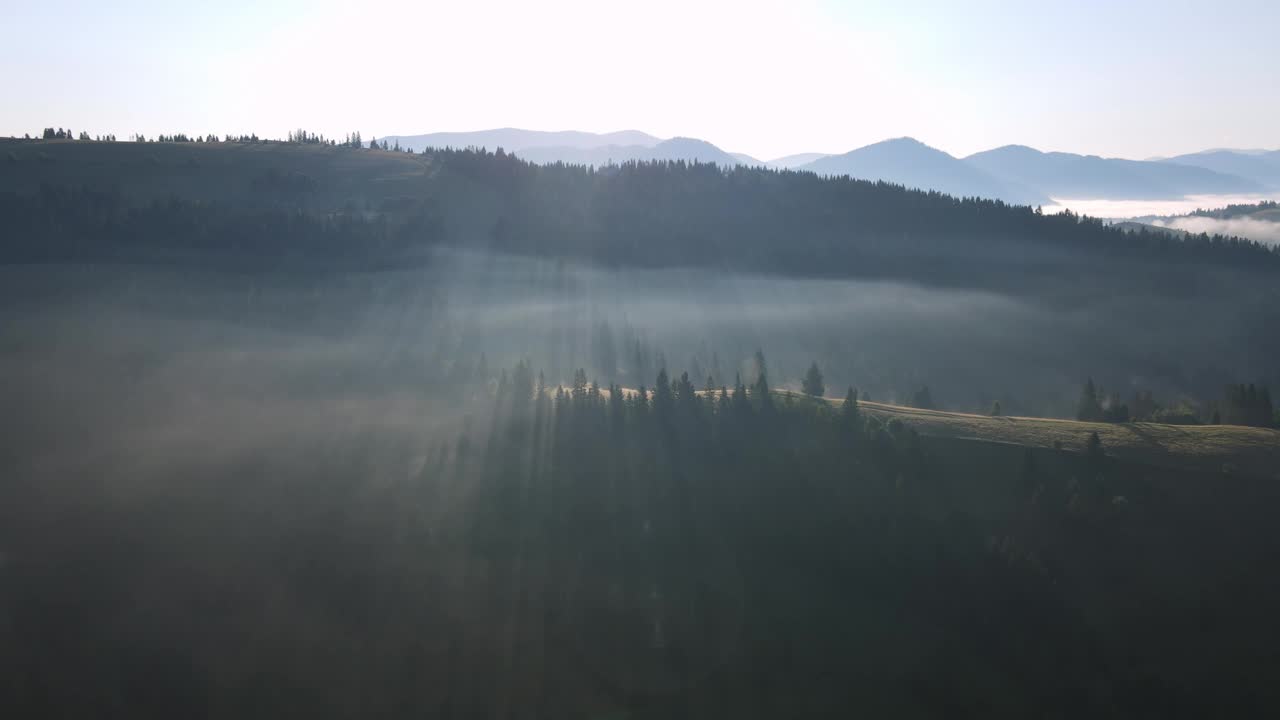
[[1014, 173], [515, 139], [909, 162], [673, 149], [794, 161], [1262, 166], [1066, 175]]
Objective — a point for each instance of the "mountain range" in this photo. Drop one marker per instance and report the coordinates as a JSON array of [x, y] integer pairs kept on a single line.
[[909, 162], [1066, 175], [1014, 173], [514, 139], [1263, 166], [674, 149]]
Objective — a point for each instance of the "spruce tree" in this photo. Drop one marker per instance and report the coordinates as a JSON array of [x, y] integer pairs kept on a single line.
[[849, 410], [1088, 408], [761, 389], [1093, 446], [662, 400], [741, 404], [812, 384], [683, 390]]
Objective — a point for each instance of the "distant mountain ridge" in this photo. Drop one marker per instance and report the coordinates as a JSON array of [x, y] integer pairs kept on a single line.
[[909, 162], [515, 139], [1263, 166], [673, 149], [1066, 175], [1014, 173], [788, 162]]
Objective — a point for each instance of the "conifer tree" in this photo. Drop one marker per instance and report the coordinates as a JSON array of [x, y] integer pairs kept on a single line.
[[662, 397], [849, 415], [761, 389], [741, 405], [1093, 446], [685, 395], [522, 384], [812, 384], [1089, 408]]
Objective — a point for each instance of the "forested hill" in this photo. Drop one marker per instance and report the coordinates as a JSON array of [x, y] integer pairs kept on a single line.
[[296, 202]]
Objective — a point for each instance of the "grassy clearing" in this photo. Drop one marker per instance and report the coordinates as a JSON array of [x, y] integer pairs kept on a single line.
[[1255, 451]]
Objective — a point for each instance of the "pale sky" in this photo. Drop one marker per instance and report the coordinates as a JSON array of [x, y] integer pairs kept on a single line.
[[765, 78]]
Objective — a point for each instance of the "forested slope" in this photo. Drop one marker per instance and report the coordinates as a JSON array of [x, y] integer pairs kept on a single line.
[[661, 214]]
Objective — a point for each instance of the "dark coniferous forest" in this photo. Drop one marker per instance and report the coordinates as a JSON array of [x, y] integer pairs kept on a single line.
[[665, 551], [645, 214]]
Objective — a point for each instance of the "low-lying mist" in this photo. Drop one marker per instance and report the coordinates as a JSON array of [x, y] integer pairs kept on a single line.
[[1261, 230], [1124, 209], [188, 349]]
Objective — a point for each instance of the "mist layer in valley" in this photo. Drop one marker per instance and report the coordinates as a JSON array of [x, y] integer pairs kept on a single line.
[[254, 354], [1265, 231], [1124, 209]]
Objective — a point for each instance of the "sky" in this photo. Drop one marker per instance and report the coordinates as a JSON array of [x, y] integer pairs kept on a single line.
[[1134, 79]]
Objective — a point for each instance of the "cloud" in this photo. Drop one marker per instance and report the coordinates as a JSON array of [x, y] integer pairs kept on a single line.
[[1260, 230], [1145, 209]]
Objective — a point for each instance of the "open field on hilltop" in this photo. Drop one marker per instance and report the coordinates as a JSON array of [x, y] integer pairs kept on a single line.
[[1255, 451]]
